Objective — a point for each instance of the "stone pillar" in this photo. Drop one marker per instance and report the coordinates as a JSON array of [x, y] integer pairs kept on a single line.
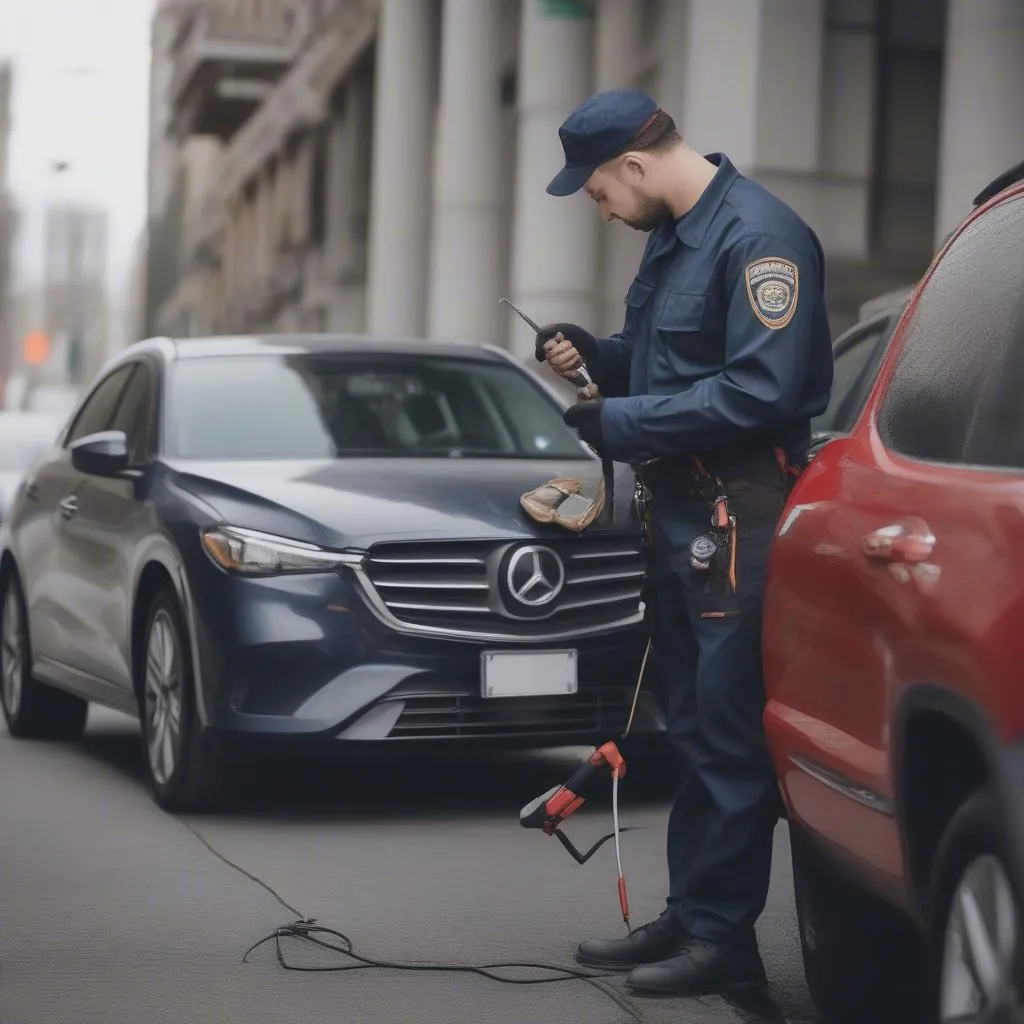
[[466, 259], [618, 31], [765, 112], [982, 131], [264, 224], [348, 169], [618, 49], [554, 244], [301, 187], [401, 185]]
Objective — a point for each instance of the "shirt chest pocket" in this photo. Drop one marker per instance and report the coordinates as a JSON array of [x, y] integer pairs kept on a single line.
[[638, 300], [687, 344]]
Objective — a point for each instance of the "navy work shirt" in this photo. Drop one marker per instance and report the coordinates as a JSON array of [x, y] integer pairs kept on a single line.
[[726, 344]]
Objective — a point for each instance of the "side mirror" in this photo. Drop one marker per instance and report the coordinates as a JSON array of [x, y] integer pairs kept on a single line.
[[102, 454]]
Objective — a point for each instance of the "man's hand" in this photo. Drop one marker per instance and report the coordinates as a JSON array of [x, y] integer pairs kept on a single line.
[[565, 346], [585, 417]]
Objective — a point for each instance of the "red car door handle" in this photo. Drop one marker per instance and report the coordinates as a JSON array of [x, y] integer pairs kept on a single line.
[[907, 541]]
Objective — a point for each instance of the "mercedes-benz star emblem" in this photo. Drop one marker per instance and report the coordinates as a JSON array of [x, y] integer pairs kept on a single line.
[[535, 576]]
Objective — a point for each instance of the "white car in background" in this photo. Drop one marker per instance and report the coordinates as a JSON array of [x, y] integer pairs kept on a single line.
[[58, 400], [25, 437]]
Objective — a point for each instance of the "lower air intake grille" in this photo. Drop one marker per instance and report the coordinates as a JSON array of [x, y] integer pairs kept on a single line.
[[437, 717]]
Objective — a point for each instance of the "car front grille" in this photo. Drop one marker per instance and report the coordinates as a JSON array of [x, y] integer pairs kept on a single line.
[[598, 711], [459, 587]]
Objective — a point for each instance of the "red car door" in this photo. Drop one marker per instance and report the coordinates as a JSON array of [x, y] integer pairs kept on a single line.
[[901, 546]]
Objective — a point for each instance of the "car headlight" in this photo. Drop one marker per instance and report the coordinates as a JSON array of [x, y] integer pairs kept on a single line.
[[262, 554]]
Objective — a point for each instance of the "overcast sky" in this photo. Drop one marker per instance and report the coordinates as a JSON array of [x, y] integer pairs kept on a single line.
[[81, 80]]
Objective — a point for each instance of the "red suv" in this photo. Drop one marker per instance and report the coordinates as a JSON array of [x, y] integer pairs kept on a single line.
[[894, 651]]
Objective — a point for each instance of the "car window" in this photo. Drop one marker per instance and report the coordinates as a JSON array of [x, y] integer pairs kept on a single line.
[[134, 413], [97, 413], [947, 400], [324, 406], [857, 360]]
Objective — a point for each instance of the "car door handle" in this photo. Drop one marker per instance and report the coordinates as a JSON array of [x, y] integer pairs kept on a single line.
[[69, 506], [32, 490], [908, 541]]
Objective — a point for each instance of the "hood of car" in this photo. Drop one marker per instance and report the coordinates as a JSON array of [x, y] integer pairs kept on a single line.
[[358, 502]]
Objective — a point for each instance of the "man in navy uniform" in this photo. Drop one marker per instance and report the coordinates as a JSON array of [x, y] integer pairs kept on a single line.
[[724, 356]]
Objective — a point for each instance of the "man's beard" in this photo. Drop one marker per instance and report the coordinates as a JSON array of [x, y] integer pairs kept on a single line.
[[651, 213]]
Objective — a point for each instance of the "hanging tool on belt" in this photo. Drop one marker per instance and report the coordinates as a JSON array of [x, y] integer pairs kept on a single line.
[[586, 389], [548, 811], [718, 547]]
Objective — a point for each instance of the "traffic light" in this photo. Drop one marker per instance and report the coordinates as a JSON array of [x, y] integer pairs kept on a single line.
[[36, 347]]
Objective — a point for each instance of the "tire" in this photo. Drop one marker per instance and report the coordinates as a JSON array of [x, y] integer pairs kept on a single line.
[[971, 862], [862, 959], [32, 709], [184, 773]]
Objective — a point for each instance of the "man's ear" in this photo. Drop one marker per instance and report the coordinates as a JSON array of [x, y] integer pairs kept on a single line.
[[634, 168]]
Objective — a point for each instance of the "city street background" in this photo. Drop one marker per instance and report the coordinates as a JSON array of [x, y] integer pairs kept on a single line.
[[195, 167]]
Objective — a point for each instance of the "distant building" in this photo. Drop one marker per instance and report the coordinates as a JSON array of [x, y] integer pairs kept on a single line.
[[381, 166], [75, 303], [133, 296], [8, 231]]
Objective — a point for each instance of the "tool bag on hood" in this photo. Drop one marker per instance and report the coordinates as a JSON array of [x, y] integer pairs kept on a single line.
[[550, 503]]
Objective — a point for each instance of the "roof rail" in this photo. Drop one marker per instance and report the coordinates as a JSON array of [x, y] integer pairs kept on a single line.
[[1005, 180]]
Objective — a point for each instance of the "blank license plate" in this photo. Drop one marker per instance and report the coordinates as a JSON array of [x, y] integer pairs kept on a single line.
[[528, 673]]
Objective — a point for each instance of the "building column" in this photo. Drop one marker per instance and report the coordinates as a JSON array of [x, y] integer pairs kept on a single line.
[[618, 31], [766, 111], [617, 47], [466, 258], [401, 184], [982, 131], [554, 240]]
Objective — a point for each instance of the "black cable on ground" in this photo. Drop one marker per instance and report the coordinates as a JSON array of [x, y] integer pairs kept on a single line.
[[306, 929]]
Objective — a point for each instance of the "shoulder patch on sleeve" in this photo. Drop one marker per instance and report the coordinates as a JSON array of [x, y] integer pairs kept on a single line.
[[773, 287]]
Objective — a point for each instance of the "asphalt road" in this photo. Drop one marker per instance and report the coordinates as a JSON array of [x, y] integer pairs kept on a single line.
[[112, 911]]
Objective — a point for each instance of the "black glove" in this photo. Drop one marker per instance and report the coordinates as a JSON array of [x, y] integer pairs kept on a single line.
[[582, 340], [585, 417]]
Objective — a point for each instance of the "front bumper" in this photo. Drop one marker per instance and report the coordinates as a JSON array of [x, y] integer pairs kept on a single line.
[[307, 658]]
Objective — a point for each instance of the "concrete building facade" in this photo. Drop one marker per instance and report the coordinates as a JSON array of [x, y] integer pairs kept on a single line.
[[8, 231], [392, 178], [75, 311]]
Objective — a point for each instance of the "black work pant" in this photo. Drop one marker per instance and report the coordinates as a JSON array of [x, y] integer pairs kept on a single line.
[[706, 648]]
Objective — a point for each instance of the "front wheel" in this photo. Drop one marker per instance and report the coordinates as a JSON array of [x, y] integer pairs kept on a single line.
[[184, 774], [977, 953], [32, 709]]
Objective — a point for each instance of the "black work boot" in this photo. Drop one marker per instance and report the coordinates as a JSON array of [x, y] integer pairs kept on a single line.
[[645, 945], [699, 967]]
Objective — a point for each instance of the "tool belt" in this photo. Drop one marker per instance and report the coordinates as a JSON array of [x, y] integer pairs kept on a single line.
[[716, 481], [693, 477]]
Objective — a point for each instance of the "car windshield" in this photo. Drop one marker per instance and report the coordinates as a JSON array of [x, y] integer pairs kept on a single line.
[[329, 406], [23, 440]]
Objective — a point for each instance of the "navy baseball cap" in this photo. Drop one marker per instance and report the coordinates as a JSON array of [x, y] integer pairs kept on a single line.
[[598, 129]]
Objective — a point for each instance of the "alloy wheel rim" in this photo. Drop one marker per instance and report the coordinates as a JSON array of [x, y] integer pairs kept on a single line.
[[162, 697], [980, 949], [13, 656]]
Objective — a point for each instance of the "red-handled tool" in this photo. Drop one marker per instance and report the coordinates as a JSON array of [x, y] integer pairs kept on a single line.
[[548, 811]]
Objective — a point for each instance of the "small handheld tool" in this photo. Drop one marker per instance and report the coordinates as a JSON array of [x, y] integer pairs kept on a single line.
[[548, 811], [585, 386]]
